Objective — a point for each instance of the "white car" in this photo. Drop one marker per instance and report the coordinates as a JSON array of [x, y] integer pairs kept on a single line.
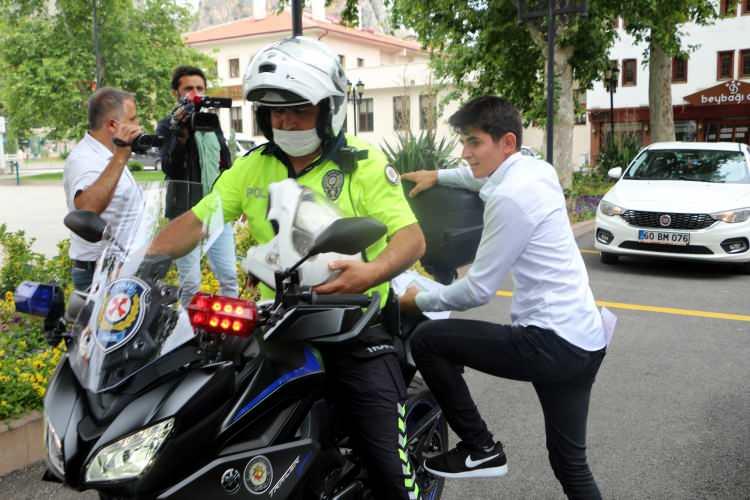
[[244, 144], [686, 200]]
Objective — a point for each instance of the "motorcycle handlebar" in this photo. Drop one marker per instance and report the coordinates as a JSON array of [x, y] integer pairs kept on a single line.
[[347, 299]]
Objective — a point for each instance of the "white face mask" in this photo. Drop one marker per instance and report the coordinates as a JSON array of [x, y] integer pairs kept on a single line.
[[297, 142]]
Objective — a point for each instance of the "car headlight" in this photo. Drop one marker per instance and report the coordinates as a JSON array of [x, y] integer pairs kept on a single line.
[[610, 209], [737, 215], [130, 456], [55, 455]]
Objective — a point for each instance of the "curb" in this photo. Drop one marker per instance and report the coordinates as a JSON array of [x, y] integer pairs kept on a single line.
[[21, 442], [581, 228]]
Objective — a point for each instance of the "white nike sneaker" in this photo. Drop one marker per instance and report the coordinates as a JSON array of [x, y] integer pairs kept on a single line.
[[463, 462]]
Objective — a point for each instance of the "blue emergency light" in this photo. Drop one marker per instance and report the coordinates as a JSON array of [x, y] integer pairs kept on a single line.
[[35, 298]]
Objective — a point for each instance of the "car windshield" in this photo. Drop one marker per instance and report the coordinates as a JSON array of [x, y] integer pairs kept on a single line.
[[691, 165], [124, 324]]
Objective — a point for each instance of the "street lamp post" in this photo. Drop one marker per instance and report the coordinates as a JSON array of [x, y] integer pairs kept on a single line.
[[354, 93], [529, 10], [297, 17], [611, 76]]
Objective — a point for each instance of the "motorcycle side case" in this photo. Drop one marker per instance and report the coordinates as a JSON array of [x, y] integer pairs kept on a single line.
[[452, 221]]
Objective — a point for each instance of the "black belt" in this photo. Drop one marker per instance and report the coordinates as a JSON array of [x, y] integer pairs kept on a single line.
[[86, 265]]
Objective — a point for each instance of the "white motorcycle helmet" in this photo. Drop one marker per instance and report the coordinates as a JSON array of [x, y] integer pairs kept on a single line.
[[299, 216], [294, 72]]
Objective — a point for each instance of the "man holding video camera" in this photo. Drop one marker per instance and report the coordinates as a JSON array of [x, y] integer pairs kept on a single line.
[[96, 177], [195, 151]]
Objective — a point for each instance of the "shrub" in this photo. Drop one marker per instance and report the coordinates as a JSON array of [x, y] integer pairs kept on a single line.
[[421, 152], [21, 263], [135, 166], [618, 153], [26, 362]]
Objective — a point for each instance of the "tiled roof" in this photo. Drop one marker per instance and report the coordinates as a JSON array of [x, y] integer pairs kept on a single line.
[[282, 23]]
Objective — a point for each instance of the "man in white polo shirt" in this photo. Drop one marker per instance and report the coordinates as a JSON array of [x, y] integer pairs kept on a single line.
[[96, 177], [556, 339]]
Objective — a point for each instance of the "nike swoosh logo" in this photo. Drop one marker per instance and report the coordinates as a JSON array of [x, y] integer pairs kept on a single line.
[[473, 463]]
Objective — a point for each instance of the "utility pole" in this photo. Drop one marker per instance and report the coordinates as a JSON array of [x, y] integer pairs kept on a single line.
[[97, 54], [534, 9]]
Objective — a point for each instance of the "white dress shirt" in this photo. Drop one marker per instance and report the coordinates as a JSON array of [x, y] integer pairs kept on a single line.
[[527, 232], [85, 163]]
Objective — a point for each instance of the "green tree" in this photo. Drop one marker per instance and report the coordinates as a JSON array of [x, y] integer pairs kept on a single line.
[[659, 24], [481, 47], [48, 66]]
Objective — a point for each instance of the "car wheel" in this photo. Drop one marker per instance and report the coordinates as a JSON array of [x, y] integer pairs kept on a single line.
[[609, 258]]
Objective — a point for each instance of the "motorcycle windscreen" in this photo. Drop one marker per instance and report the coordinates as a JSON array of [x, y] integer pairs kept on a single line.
[[314, 214], [126, 323]]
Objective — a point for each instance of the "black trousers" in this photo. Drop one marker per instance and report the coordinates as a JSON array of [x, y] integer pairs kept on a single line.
[[370, 399], [561, 373]]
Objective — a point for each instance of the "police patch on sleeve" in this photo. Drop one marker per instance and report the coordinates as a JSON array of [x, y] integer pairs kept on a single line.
[[392, 175], [333, 182]]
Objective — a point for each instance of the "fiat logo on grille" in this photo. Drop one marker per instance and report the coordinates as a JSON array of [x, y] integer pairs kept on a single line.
[[665, 220]]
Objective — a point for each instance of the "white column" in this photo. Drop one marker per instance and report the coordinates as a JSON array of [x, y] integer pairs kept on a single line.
[[2, 143], [319, 10], [259, 9]]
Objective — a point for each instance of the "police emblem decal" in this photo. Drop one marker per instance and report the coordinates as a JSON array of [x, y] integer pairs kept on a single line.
[[258, 475], [392, 175], [333, 182], [121, 312]]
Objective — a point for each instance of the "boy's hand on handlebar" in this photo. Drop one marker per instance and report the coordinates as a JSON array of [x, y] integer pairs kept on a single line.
[[424, 180], [355, 277], [408, 301]]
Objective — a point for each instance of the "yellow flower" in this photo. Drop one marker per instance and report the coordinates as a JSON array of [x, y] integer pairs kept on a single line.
[[2, 353], [9, 296]]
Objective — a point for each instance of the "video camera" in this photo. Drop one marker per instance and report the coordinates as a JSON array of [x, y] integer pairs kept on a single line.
[[191, 105], [142, 143]]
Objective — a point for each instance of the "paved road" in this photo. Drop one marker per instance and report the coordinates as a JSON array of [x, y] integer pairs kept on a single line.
[[38, 210], [669, 410]]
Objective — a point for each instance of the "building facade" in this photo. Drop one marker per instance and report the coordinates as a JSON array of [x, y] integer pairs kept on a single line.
[[398, 93], [710, 87]]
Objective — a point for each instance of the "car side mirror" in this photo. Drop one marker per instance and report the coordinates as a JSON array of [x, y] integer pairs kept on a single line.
[[615, 173], [86, 224]]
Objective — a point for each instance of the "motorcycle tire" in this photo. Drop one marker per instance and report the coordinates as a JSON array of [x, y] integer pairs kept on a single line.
[[433, 441]]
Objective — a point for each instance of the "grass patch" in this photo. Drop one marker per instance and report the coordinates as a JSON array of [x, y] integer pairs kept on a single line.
[[140, 176]]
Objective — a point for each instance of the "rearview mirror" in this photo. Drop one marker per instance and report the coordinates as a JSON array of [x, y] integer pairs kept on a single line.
[[348, 236], [86, 224], [615, 173]]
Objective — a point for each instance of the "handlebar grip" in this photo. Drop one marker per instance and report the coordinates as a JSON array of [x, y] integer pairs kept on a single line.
[[348, 299]]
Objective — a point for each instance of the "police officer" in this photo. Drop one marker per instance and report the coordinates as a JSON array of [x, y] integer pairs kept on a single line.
[[299, 87]]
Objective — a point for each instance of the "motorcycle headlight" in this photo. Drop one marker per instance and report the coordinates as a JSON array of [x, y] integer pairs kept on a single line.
[[55, 455], [738, 215], [610, 209], [130, 456]]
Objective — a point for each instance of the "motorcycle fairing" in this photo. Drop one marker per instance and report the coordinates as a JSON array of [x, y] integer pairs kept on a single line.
[[289, 464], [253, 397]]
